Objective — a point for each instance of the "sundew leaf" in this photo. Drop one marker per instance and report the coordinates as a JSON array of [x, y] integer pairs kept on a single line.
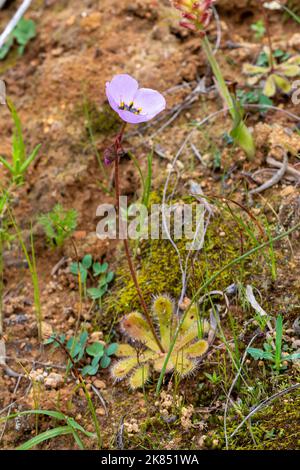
[[125, 350], [289, 70], [135, 325], [163, 310], [270, 86], [123, 367], [282, 83], [197, 349], [254, 69], [140, 376], [182, 364]]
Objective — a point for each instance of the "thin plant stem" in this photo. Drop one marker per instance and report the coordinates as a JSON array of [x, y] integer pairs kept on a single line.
[[269, 36], [126, 245], [36, 289], [34, 276]]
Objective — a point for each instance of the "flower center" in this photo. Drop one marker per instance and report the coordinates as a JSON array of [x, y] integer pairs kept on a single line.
[[130, 107]]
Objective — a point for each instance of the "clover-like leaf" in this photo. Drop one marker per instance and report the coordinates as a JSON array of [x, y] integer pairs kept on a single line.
[[99, 268], [105, 361], [90, 370], [111, 349], [109, 277], [96, 293], [74, 268], [95, 349], [87, 261]]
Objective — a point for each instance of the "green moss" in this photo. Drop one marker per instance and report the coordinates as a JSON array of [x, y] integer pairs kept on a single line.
[[100, 120], [273, 428], [159, 271], [10, 61]]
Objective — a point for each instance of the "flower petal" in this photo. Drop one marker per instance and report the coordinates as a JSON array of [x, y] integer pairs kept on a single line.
[[123, 87], [150, 101], [113, 104], [132, 118]]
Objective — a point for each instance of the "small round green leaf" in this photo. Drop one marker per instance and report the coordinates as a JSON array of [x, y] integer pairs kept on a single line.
[[87, 261], [95, 349], [111, 349], [105, 361]]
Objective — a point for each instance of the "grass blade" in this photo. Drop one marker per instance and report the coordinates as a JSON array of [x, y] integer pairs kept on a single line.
[[44, 436], [278, 342]]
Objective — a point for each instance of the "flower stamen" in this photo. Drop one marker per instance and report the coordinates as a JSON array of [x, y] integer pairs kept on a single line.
[[130, 107]]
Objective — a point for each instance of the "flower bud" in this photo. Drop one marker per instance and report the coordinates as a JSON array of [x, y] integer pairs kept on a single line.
[[109, 155], [197, 13]]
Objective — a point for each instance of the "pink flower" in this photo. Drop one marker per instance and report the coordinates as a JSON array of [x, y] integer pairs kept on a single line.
[[133, 104], [196, 14]]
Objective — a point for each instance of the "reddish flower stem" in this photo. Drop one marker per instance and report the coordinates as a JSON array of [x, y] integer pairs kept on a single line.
[[118, 148]]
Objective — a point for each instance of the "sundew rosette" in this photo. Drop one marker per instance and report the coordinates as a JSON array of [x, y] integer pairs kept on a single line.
[[138, 360]]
